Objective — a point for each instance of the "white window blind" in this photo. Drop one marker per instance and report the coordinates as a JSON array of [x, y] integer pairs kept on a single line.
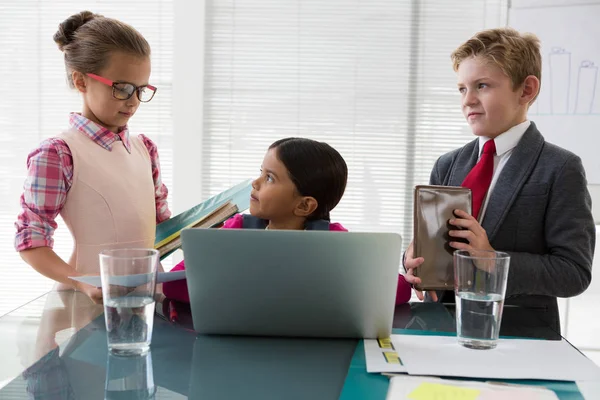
[[372, 78], [35, 102]]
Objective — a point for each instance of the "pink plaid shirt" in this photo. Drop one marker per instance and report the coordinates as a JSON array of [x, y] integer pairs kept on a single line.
[[50, 176]]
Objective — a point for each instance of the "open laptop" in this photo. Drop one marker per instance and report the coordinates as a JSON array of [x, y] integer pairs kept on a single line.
[[292, 283]]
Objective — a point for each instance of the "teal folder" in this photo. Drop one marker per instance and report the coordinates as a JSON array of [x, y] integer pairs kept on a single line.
[[238, 195]]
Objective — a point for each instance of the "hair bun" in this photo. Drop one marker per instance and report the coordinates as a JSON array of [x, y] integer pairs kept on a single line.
[[66, 30]]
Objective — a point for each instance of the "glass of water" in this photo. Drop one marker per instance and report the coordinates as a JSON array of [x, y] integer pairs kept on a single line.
[[479, 285], [128, 285]]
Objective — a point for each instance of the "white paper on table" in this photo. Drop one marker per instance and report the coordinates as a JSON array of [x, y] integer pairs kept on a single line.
[[411, 387], [589, 389], [132, 280], [381, 356], [511, 359]]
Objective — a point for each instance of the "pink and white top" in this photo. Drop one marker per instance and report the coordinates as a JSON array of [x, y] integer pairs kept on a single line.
[[50, 176]]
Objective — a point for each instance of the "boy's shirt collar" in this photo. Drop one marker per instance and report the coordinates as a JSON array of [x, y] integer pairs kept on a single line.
[[508, 140]]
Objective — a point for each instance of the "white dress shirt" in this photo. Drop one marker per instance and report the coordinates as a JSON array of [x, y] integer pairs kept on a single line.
[[505, 143]]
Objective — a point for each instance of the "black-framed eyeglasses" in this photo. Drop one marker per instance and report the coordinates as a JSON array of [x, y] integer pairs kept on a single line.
[[124, 90]]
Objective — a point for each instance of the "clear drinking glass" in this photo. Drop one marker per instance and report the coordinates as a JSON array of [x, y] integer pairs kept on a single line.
[[479, 285], [128, 286]]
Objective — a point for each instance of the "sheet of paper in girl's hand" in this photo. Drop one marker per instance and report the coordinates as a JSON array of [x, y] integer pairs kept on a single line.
[[132, 280]]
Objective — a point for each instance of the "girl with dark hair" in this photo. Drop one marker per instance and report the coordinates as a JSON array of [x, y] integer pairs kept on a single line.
[[300, 182]]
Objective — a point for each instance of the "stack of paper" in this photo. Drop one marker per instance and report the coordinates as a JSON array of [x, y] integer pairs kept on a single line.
[[511, 359], [173, 242], [426, 355], [382, 356], [207, 214]]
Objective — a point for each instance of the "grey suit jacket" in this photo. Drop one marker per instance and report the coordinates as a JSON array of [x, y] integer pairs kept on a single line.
[[540, 213]]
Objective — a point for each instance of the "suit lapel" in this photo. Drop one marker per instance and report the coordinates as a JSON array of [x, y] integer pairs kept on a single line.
[[511, 179], [465, 161]]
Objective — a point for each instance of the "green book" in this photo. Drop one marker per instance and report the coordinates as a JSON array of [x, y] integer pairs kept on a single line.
[[207, 214]]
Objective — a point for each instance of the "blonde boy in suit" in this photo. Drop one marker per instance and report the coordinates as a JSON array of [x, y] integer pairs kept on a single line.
[[536, 205]]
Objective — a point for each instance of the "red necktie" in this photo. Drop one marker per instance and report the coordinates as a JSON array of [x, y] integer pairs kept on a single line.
[[480, 177]]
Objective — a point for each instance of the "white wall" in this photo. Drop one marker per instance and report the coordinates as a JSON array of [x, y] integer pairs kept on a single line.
[[188, 90], [582, 325]]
